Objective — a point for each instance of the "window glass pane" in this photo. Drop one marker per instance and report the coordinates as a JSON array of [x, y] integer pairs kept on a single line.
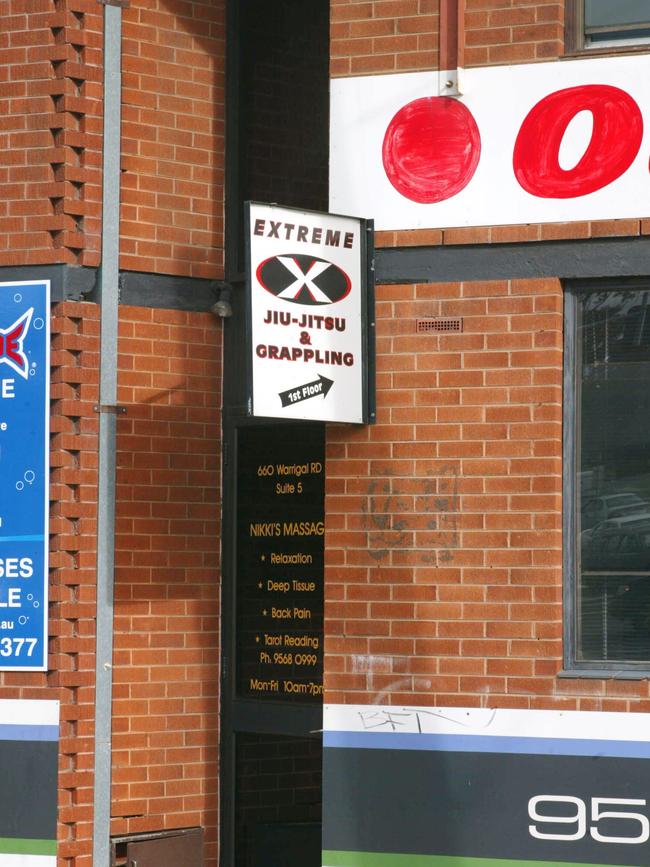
[[613, 588], [605, 13]]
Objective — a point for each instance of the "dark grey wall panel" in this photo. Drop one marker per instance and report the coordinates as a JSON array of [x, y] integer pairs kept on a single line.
[[172, 293], [67, 283], [475, 804], [589, 259], [608, 257], [28, 794]]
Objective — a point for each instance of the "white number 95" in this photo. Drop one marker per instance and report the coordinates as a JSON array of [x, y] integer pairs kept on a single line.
[[578, 819]]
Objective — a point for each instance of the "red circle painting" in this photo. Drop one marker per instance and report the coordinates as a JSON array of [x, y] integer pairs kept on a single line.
[[431, 149]]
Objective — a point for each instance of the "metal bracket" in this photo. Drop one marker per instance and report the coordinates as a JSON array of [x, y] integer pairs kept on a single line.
[[121, 4], [449, 82], [110, 408]]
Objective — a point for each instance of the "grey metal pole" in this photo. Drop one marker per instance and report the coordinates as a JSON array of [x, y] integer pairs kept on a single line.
[[109, 300]]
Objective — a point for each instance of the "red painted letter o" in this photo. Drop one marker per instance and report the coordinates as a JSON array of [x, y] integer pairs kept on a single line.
[[431, 149], [615, 141]]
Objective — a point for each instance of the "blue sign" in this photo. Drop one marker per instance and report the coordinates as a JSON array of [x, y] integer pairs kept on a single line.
[[24, 472]]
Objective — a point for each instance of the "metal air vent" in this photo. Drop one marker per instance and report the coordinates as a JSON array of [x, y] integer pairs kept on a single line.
[[439, 325]]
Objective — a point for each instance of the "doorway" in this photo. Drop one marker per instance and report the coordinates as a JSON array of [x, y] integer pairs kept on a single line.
[[273, 472], [273, 621]]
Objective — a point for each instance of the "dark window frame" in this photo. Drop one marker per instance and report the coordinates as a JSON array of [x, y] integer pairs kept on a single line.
[[575, 37], [574, 668]]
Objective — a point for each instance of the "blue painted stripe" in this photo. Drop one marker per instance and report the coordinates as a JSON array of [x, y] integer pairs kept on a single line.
[[485, 744], [29, 733], [22, 538]]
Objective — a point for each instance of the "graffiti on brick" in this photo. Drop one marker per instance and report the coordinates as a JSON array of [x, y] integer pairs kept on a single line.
[[393, 514]]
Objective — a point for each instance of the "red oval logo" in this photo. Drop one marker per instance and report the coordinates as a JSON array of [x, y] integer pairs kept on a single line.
[[303, 279]]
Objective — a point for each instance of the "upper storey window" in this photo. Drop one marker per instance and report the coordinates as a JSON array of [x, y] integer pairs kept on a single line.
[[609, 23]]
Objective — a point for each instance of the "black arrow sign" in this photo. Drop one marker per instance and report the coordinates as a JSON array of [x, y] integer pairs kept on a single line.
[[318, 387]]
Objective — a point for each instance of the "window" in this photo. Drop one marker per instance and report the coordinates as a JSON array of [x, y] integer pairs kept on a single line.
[[593, 24], [608, 481]]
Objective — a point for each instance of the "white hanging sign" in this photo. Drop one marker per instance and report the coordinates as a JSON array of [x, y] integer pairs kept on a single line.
[[534, 143], [308, 305]]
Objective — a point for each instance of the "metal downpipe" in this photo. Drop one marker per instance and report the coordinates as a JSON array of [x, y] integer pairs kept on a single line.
[[108, 284]]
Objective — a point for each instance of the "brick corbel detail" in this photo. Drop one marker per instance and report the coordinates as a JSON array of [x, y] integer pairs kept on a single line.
[[73, 513], [75, 128]]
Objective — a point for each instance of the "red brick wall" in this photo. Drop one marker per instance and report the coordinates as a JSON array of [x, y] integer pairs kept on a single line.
[[166, 666], [371, 36], [383, 36], [50, 91], [514, 234], [444, 541], [73, 496], [173, 137], [173, 134], [513, 31], [166, 662]]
